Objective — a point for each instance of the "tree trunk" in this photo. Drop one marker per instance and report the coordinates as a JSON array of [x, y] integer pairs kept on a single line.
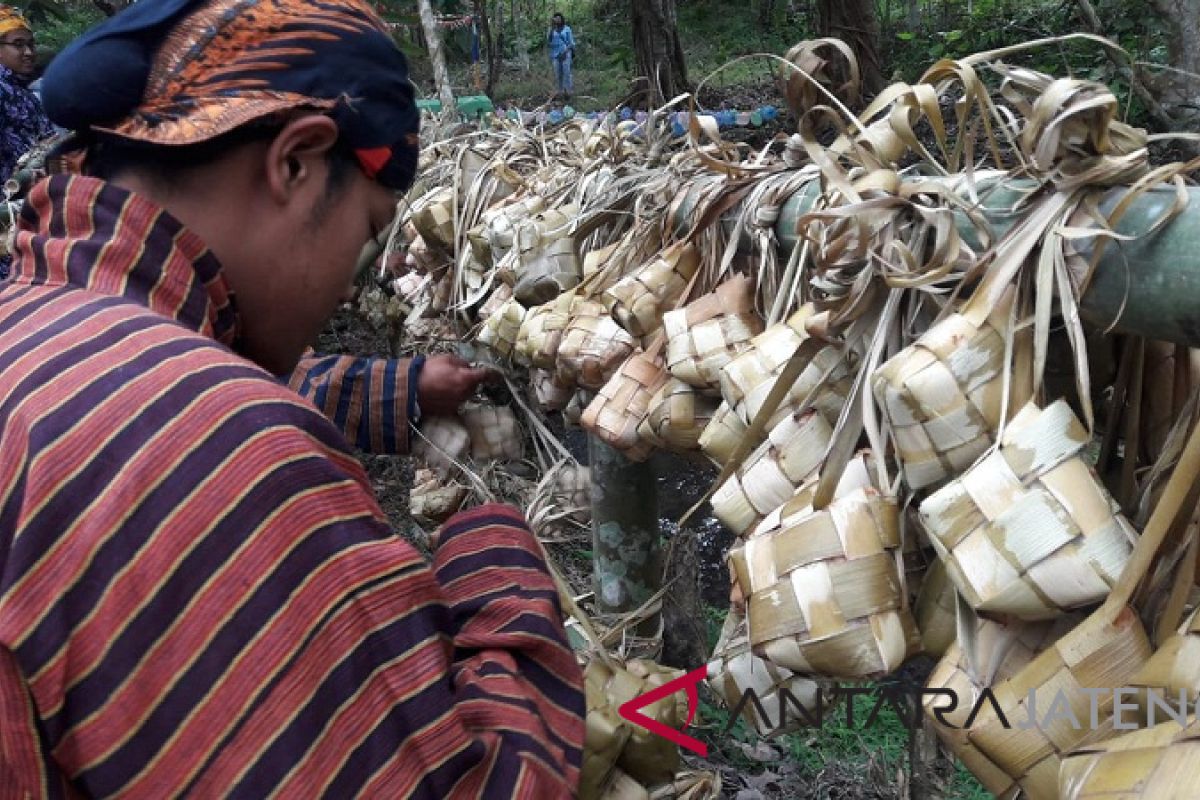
[[485, 28], [660, 61], [1179, 89], [766, 14], [441, 75], [855, 22], [914, 15]]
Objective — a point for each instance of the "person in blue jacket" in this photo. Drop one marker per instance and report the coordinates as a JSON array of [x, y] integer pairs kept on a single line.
[[562, 52]]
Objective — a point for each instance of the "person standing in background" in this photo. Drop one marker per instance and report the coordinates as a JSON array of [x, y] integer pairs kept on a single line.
[[562, 52]]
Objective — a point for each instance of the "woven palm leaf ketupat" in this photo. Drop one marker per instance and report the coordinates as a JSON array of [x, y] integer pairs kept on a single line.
[[935, 610], [733, 669], [501, 329], [549, 393], [1030, 530], [441, 442], [677, 417], [823, 587], [771, 474], [432, 500], [1160, 762], [542, 332], [495, 433], [433, 217], [613, 742], [639, 300], [1176, 665], [943, 395], [548, 262], [991, 652], [711, 331], [495, 301], [748, 379], [593, 346], [723, 434], [623, 402], [500, 223]]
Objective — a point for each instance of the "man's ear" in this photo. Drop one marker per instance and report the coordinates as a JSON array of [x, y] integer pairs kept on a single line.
[[298, 155]]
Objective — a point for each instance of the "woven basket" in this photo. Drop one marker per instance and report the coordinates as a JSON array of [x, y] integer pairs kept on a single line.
[[943, 395], [935, 611], [442, 441], [678, 415], [495, 433], [734, 668], [548, 392], [823, 586], [433, 217], [770, 475], [549, 264], [433, 500], [747, 380], [501, 329], [710, 332], [613, 742], [639, 300], [593, 346], [1160, 762], [1002, 651], [723, 434], [573, 490], [621, 404], [542, 332], [1030, 530]]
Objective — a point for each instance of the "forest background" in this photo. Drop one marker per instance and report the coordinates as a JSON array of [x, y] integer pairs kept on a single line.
[[640, 52]]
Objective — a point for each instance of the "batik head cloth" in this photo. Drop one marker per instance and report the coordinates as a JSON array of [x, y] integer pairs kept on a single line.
[[11, 20], [180, 72]]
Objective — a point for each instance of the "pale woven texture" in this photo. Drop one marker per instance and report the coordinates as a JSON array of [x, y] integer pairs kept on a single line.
[[573, 490], [441, 442], [823, 587], [611, 741], [942, 396], [748, 379], [934, 610], [548, 264], [733, 669], [422, 258], [622, 403], [593, 346], [549, 393], [1097, 654], [495, 433], [500, 223], [771, 474], [433, 500], [542, 332], [1175, 666], [678, 415], [1001, 652], [722, 434], [496, 300], [477, 240], [500, 330], [639, 300], [1158, 763], [1030, 530], [433, 217], [710, 332]]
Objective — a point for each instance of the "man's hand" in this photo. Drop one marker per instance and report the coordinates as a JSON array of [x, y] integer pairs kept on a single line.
[[446, 382]]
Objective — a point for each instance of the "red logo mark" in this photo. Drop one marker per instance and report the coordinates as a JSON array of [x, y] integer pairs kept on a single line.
[[630, 711]]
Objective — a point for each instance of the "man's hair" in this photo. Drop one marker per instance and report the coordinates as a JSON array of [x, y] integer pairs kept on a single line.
[[558, 15], [109, 156]]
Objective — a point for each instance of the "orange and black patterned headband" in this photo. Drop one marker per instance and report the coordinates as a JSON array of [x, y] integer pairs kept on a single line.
[[11, 20], [180, 72]]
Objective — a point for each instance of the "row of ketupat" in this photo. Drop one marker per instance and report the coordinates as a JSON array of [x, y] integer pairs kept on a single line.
[[664, 351]]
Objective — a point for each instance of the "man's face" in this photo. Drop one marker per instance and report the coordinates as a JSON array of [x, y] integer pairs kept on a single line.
[[17, 52], [559, 21]]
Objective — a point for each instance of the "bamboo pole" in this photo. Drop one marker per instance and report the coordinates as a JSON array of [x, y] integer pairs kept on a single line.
[[626, 545], [1150, 286], [441, 75]]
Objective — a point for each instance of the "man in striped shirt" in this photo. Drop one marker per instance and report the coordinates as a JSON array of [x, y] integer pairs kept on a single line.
[[198, 593]]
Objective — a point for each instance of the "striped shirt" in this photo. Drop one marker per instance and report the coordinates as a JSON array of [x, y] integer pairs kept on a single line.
[[366, 398], [199, 594]]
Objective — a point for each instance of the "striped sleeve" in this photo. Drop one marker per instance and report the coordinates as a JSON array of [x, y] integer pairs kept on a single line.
[[247, 626], [366, 398]]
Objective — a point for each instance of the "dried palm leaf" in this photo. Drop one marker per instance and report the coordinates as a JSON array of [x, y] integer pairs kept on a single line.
[[433, 217], [710, 332], [542, 332], [935, 610], [639, 300], [549, 393], [501, 329], [432, 500], [548, 263], [723, 434], [442, 443], [623, 403], [593, 346], [495, 302], [495, 433], [1162, 761], [677, 417], [829, 63]]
